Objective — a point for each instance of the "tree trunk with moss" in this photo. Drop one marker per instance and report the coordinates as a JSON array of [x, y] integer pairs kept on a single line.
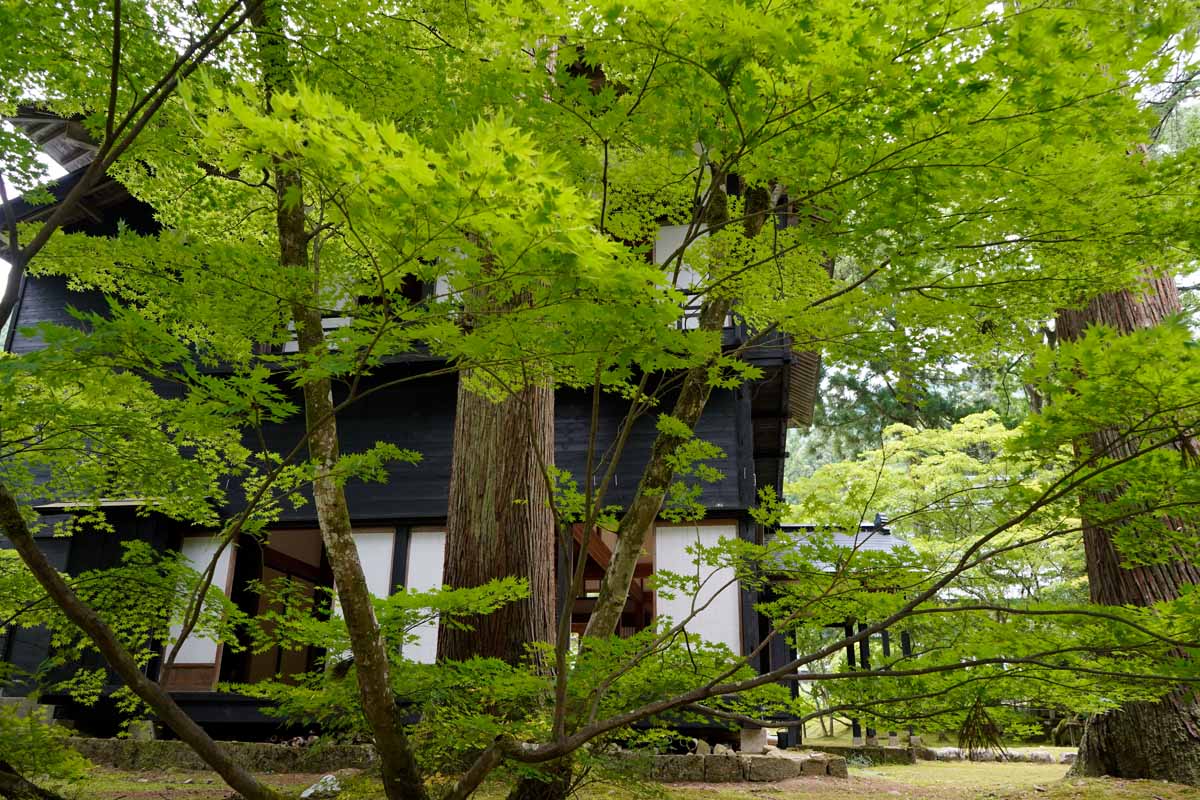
[[658, 473], [1159, 740], [14, 786], [401, 776]]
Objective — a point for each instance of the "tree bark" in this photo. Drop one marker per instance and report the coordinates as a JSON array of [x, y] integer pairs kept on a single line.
[[401, 775], [499, 520], [1159, 740], [13, 786], [14, 527], [1144, 740], [499, 523]]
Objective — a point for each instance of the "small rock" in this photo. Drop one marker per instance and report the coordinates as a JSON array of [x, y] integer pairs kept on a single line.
[[1067, 758], [722, 750], [702, 748], [1037, 788], [188, 780], [1039, 757], [328, 786], [923, 753]]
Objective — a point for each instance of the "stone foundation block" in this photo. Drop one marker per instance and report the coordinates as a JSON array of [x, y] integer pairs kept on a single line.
[[772, 768], [723, 769], [677, 769], [814, 766]]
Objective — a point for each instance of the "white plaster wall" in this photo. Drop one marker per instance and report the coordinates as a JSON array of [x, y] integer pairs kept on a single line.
[[669, 238], [721, 621], [198, 551], [374, 549], [375, 553], [426, 551]]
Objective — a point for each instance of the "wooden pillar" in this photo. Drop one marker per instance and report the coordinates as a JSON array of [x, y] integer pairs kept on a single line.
[[856, 737], [886, 641], [864, 651], [906, 651]]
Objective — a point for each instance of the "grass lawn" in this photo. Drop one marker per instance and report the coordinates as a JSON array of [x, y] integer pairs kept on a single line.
[[923, 781]]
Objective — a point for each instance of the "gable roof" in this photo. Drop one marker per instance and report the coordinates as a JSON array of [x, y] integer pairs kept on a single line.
[[65, 140]]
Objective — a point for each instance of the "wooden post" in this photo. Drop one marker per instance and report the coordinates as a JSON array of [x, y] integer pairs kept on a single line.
[[906, 651], [856, 737], [864, 650], [886, 639]]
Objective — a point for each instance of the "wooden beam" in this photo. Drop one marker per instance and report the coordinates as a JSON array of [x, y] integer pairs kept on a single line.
[[598, 551]]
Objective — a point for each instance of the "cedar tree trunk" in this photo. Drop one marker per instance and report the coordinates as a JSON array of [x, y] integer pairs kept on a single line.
[[401, 775], [1159, 740], [499, 521]]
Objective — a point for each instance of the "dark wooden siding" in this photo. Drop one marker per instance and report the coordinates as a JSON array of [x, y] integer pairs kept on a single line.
[[719, 425], [26, 649], [419, 415], [47, 299], [416, 415]]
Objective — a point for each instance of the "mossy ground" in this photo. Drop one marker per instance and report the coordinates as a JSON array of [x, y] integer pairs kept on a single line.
[[923, 781]]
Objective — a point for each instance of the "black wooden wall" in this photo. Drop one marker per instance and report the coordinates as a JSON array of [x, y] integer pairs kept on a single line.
[[26, 648], [47, 299], [419, 415]]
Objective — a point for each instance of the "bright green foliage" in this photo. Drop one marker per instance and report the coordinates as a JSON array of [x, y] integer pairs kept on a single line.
[[329, 696], [140, 600], [1002, 503], [36, 749], [459, 707]]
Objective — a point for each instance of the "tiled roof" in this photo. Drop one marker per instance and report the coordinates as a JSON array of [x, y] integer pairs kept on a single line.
[[871, 536]]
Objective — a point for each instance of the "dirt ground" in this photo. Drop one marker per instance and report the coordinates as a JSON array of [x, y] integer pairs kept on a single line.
[[924, 781]]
